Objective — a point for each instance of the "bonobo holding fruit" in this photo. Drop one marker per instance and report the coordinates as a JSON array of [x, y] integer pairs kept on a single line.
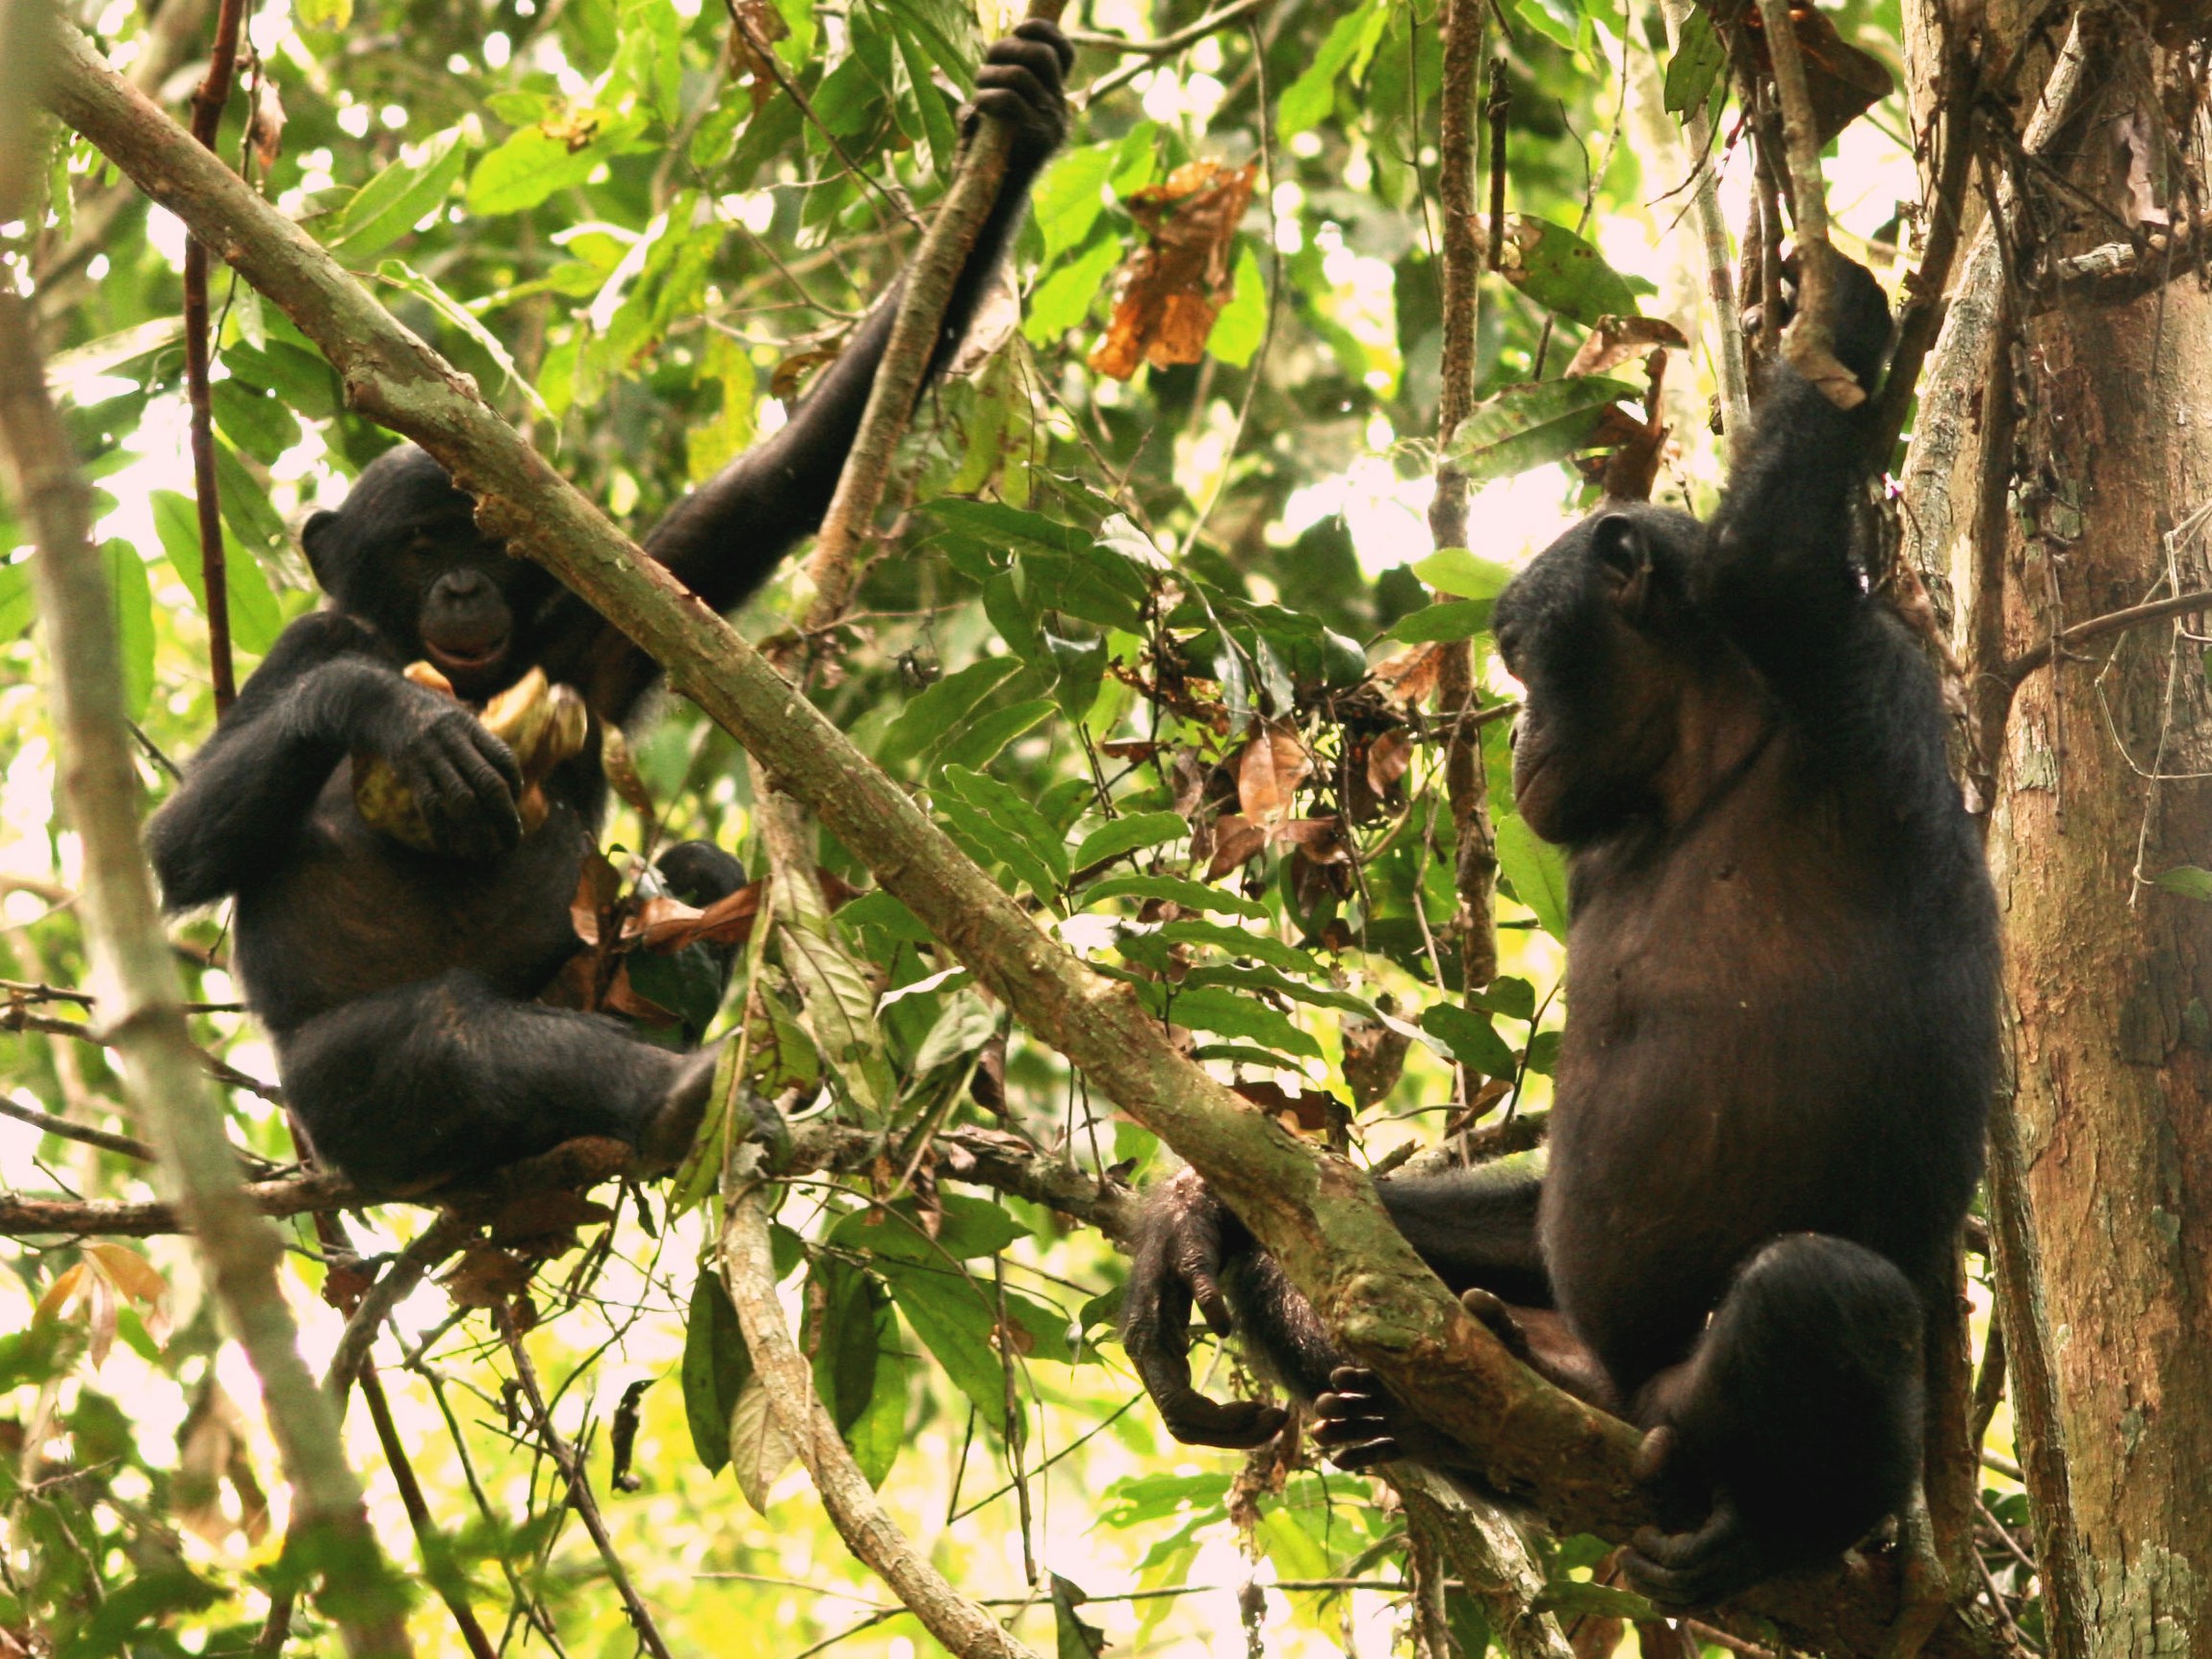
[[1783, 1031], [398, 979]]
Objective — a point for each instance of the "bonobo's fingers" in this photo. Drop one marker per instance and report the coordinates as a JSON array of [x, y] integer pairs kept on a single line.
[[1679, 1570], [1020, 83], [466, 782]]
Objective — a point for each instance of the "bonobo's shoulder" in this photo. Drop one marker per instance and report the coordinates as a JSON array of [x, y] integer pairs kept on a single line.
[[324, 636]]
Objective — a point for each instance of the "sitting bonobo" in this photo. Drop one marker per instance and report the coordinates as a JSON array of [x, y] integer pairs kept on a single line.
[[398, 981], [1781, 1037]]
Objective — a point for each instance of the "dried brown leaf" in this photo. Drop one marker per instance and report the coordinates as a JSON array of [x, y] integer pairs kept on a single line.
[[1175, 286]]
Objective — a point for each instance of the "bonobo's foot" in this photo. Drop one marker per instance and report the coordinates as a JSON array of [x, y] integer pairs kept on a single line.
[[1233, 1425], [1362, 1426], [1697, 1565], [674, 1124], [1488, 1309]]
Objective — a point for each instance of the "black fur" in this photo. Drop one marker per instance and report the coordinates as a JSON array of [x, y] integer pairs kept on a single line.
[[398, 985], [1783, 1033]]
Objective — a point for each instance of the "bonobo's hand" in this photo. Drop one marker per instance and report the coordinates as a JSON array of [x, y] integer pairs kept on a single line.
[[1019, 82], [1859, 330], [463, 778], [1179, 1260]]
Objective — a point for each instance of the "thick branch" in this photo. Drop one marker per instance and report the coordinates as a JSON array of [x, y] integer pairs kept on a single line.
[[1318, 1215], [954, 1619], [930, 280]]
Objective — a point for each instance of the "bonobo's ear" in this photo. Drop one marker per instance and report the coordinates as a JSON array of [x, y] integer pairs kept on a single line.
[[313, 538], [1625, 562]]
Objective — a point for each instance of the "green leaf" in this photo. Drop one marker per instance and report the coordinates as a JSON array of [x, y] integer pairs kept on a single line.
[[2188, 881], [1699, 58], [327, 14], [1532, 425], [404, 276], [979, 745], [255, 620], [16, 607], [1127, 835], [1265, 978], [716, 1366], [1538, 874], [245, 506], [1069, 197], [1309, 99], [1471, 1038], [989, 844], [1210, 1008], [1455, 619], [388, 206], [760, 1451], [1012, 812], [1011, 529], [955, 1318], [1073, 1638], [940, 707], [1467, 575], [300, 379], [1176, 889], [531, 166], [837, 1008], [1081, 665], [1063, 300], [252, 420], [1238, 942], [1563, 273], [1243, 322], [1513, 997]]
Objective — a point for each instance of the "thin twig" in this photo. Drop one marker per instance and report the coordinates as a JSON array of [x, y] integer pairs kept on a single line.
[[2112, 622], [579, 1492], [1810, 334], [450, 1586], [1167, 45], [106, 1139], [398, 1281], [207, 105]]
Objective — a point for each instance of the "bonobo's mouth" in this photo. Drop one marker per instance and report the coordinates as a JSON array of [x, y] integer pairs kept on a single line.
[[467, 657]]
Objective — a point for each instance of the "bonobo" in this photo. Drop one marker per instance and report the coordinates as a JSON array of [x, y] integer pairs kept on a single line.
[[1782, 984], [398, 983]]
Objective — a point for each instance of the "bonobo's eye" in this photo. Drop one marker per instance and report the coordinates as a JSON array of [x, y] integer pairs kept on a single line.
[[1509, 643]]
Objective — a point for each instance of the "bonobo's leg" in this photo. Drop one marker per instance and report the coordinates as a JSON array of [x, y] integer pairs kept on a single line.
[[1807, 1380], [449, 1079], [1475, 1227]]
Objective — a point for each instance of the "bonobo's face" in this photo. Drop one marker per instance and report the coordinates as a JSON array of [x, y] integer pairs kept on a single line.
[[1588, 629], [405, 553]]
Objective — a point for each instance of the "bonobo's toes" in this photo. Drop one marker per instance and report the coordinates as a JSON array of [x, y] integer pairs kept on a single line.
[[1497, 1318], [674, 1124], [1356, 1426], [1678, 1569]]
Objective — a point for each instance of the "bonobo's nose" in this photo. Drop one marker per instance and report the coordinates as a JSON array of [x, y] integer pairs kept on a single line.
[[463, 582]]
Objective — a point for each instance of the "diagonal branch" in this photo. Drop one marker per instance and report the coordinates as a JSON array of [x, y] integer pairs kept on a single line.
[[1317, 1213]]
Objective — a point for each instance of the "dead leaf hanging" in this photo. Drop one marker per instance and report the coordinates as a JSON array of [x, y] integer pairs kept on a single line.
[[1175, 286]]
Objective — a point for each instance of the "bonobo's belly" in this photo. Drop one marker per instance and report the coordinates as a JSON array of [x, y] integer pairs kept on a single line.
[[1741, 1009], [350, 912]]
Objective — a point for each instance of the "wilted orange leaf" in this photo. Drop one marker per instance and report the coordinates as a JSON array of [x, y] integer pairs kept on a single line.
[[1175, 286], [1274, 764]]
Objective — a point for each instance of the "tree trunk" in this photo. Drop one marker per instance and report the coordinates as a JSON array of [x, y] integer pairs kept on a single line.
[[2111, 976]]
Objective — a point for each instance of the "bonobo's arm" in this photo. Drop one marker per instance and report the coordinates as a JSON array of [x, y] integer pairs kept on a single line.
[[1777, 574], [726, 537], [328, 686]]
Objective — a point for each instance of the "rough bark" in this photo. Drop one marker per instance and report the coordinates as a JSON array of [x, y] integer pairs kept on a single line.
[[2102, 1153]]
